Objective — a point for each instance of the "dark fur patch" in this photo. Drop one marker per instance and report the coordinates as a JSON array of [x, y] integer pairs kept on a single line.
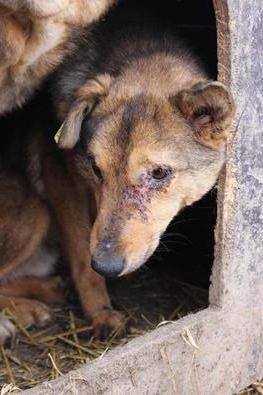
[[135, 109]]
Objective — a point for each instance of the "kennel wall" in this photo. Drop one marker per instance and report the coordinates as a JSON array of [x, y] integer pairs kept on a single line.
[[218, 350]]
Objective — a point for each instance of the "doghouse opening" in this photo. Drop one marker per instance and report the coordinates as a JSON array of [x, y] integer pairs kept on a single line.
[[174, 281]]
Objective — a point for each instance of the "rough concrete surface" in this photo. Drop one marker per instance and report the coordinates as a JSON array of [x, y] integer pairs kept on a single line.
[[219, 350]]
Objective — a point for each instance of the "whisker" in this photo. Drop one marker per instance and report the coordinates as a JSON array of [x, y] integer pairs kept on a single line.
[[165, 246], [182, 221], [175, 242], [174, 235]]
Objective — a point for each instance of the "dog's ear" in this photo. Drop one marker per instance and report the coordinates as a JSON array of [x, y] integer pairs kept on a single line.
[[209, 108], [76, 108]]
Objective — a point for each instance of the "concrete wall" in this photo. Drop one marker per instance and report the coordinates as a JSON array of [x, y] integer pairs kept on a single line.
[[219, 350]]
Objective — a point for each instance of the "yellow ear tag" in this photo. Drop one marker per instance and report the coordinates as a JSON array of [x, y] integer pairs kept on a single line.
[[58, 134]]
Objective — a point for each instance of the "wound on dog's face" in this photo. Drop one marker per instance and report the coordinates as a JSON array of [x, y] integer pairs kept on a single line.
[[135, 199]]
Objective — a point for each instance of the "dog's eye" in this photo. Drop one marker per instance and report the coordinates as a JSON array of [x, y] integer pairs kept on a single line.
[[160, 173], [95, 168], [97, 171]]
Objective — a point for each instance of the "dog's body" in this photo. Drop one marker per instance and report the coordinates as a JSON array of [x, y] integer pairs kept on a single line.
[[35, 36], [143, 136]]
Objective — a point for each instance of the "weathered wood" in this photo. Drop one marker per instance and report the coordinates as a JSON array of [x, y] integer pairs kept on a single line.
[[223, 40]]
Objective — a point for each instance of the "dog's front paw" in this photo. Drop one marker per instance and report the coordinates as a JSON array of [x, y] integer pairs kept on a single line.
[[7, 329], [108, 321], [30, 312]]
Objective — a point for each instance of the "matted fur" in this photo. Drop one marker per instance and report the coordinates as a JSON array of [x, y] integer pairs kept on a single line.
[[35, 36]]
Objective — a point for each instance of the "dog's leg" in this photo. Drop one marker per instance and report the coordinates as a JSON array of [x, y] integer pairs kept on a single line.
[[47, 290], [92, 290], [24, 222], [70, 202], [26, 311]]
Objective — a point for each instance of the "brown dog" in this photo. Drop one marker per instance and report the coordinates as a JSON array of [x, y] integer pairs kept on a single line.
[[143, 136], [35, 36]]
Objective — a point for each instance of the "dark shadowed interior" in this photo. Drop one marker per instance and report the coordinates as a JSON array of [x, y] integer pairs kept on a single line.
[[176, 278]]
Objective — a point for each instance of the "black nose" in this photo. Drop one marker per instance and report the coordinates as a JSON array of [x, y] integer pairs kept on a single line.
[[109, 266]]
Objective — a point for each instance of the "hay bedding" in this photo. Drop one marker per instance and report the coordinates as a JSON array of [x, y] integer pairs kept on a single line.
[[254, 389], [148, 298], [40, 354]]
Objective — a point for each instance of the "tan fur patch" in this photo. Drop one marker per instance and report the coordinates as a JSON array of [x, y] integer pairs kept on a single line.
[[35, 38]]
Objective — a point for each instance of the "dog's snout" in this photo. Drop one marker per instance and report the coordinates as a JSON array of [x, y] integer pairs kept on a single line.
[[109, 266]]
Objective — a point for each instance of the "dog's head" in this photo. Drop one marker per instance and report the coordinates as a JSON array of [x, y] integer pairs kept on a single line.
[[150, 156]]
